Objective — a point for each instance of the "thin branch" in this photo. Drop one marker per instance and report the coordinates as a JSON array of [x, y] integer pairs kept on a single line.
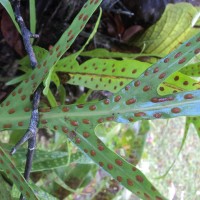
[[26, 34]]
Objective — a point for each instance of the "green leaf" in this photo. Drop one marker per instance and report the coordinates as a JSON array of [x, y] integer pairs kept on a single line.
[[32, 9], [192, 69], [101, 74], [178, 82], [104, 53], [174, 27], [195, 121], [12, 173], [6, 4], [44, 160], [4, 189]]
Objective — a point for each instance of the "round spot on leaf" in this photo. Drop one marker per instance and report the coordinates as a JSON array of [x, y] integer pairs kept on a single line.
[[44, 121], [58, 47], [161, 76], [80, 16], [154, 100], [33, 77], [181, 60], [188, 96], [23, 97], [161, 88], [157, 115], [196, 51], [13, 93], [92, 107], [85, 17], [74, 123], [86, 134], [130, 101], [45, 63], [86, 121], [127, 87], [65, 109], [80, 106], [110, 118], [188, 44], [185, 83], [47, 109], [140, 114], [137, 83], [119, 162], [78, 141], [100, 120], [119, 178], [117, 98], [129, 182], [55, 127], [106, 101], [101, 148], [134, 169], [19, 91], [92, 153], [110, 166], [139, 178], [20, 123], [15, 177], [27, 109], [176, 78], [58, 54], [7, 126], [176, 110], [121, 83], [146, 88], [178, 55], [101, 164], [166, 60], [156, 70], [64, 129], [123, 70], [11, 111], [134, 71], [131, 119]]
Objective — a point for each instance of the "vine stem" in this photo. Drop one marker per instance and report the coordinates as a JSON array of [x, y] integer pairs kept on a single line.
[[31, 132]]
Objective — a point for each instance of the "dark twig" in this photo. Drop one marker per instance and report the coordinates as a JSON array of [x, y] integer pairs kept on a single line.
[[26, 34], [30, 134]]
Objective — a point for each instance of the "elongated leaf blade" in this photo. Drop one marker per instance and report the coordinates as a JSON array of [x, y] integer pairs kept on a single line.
[[12, 173]]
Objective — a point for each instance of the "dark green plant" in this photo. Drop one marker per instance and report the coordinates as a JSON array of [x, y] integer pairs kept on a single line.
[[137, 96]]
